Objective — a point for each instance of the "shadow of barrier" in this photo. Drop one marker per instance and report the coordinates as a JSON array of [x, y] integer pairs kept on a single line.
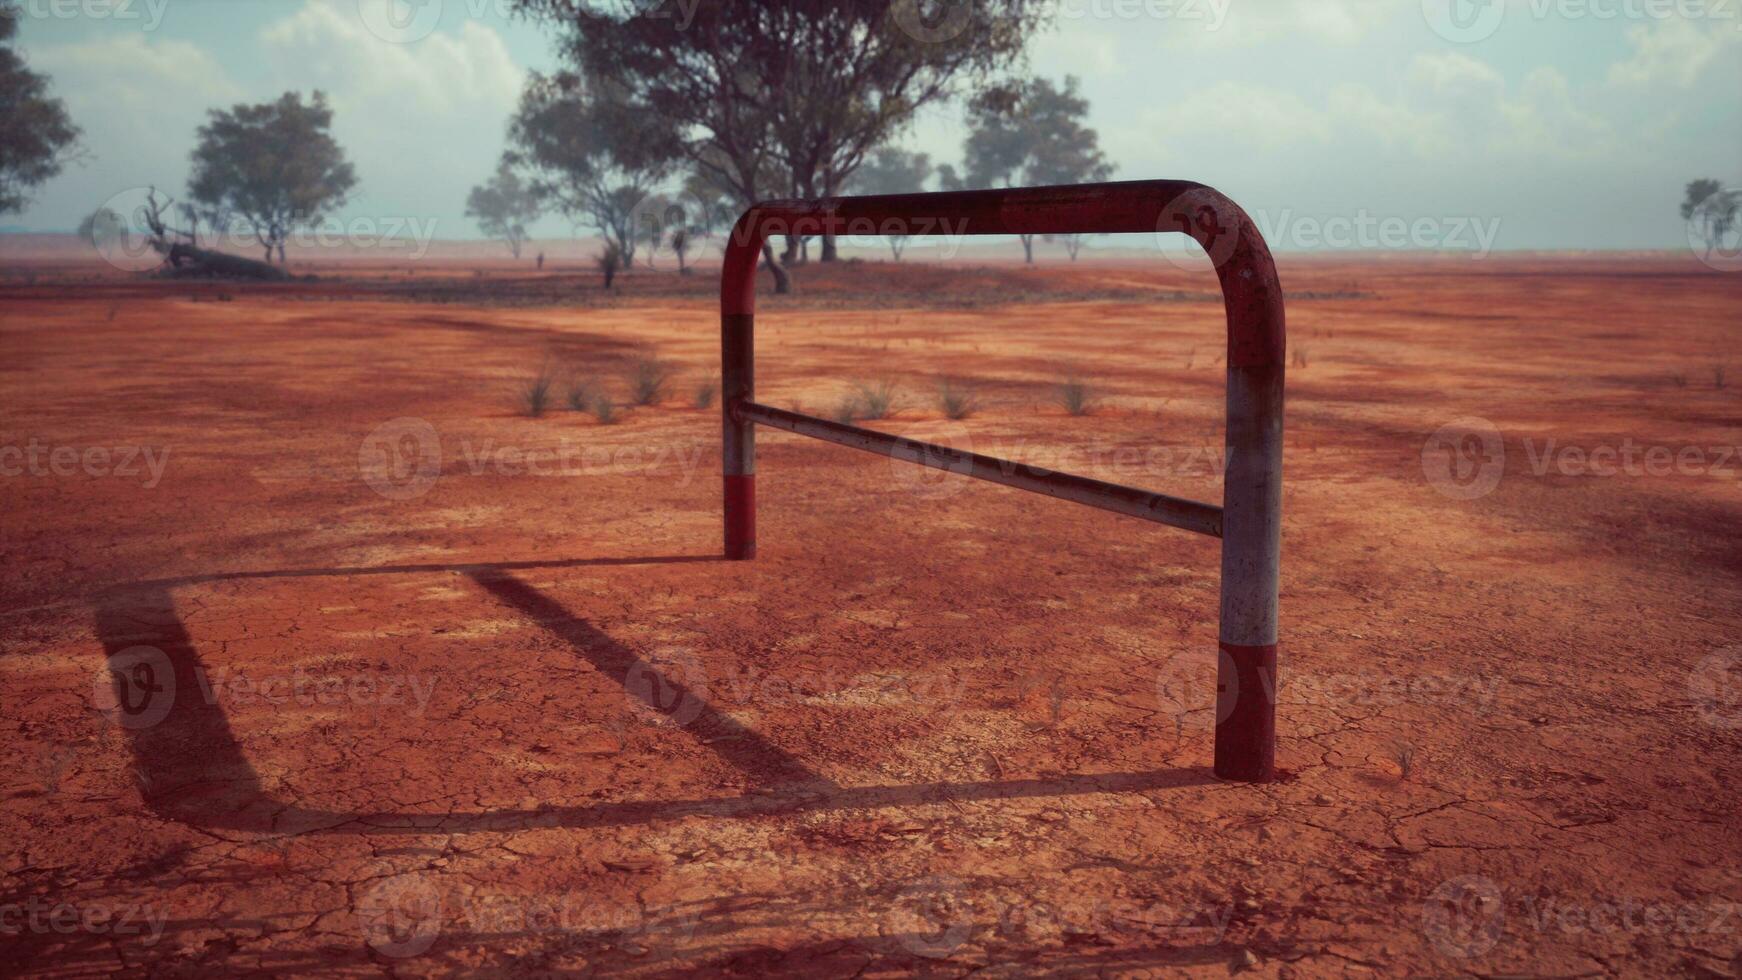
[[192, 769]]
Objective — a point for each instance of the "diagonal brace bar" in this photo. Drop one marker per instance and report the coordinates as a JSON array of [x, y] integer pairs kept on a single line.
[[1130, 501]]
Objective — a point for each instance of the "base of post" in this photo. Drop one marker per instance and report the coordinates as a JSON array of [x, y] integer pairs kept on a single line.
[[740, 517], [1246, 714]]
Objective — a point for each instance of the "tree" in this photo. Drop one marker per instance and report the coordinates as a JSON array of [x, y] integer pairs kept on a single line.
[[103, 226], [609, 261], [680, 246], [889, 170], [654, 215], [274, 166], [1029, 135], [1711, 211], [783, 97], [706, 205], [589, 154], [37, 137], [504, 207]]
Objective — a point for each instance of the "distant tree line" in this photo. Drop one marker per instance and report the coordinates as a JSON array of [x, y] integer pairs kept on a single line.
[[658, 129]]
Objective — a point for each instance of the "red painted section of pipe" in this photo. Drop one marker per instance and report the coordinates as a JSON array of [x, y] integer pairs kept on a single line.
[[740, 517], [1246, 714]]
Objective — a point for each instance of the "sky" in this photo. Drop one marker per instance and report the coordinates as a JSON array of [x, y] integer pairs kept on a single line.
[[1451, 124]]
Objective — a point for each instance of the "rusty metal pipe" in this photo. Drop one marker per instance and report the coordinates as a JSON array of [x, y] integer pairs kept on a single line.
[[738, 445], [1130, 501], [1251, 513]]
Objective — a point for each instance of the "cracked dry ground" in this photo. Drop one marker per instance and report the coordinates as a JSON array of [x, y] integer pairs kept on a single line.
[[938, 727]]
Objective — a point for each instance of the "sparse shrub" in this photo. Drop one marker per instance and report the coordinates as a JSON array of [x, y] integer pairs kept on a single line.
[[846, 410], [609, 261], [1076, 397], [647, 381], [956, 400], [876, 399], [1403, 754], [535, 394], [605, 410], [706, 389], [582, 393]]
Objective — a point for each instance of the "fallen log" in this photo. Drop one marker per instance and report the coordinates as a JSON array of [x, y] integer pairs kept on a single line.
[[182, 259]]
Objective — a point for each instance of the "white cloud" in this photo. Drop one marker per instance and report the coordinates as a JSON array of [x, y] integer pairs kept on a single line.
[[327, 40], [139, 103], [422, 121], [1339, 22], [1677, 52], [1233, 113]]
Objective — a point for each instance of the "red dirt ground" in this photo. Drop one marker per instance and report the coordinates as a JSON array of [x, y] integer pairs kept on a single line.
[[430, 708]]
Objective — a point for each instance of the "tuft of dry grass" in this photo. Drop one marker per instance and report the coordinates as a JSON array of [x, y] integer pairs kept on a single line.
[[535, 393], [1076, 396], [605, 410], [1403, 753], [706, 390], [875, 399], [648, 379], [582, 392], [956, 400]]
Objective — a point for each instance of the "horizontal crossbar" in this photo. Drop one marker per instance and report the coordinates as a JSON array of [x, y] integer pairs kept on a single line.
[[1130, 501]]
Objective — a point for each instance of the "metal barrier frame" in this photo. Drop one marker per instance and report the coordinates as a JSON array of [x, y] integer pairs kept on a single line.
[[1250, 518]]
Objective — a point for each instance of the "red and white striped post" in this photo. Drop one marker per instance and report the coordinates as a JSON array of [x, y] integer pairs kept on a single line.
[[1249, 522]]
